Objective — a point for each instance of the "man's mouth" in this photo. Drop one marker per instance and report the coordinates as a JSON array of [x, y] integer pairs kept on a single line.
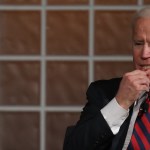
[[145, 67]]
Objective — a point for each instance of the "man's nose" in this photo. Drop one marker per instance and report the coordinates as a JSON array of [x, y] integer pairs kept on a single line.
[[146, 51]]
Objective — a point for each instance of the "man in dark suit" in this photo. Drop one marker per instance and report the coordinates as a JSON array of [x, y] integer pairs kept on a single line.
[[108, 119]]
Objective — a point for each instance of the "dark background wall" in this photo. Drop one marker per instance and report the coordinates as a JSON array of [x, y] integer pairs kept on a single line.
[[50, 51]]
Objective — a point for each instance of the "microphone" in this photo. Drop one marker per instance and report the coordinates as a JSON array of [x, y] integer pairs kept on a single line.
[[144, 106]]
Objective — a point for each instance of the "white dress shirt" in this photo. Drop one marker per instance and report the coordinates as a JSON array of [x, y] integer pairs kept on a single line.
[[115, 115]]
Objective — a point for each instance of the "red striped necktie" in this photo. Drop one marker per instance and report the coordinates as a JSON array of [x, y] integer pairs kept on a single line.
[[140, 139]]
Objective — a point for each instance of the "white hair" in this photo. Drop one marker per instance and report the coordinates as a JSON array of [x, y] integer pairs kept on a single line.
[[142, 13]]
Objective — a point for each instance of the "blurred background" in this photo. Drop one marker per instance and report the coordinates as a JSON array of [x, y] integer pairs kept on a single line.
[[50, 51]]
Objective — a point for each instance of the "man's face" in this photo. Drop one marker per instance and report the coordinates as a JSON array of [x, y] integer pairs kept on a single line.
[[141, 44]]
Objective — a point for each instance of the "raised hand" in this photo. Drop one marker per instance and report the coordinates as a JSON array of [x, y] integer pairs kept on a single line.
[[131, 86]]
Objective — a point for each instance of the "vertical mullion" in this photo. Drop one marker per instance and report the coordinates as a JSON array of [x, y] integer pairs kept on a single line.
[[91, 41], [140, 2], [43, 78]]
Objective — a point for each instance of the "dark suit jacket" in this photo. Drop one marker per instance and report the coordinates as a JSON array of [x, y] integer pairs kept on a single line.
[[92, 131]]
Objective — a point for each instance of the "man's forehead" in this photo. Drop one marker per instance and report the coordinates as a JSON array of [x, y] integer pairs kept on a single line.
[[141, 30], [142, 20], [142, 24]]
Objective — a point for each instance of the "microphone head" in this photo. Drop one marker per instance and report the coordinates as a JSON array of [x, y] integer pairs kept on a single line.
[[145, 107]]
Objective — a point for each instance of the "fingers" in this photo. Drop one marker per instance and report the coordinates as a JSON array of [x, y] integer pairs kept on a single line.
[[140, 80], [137, 76], [148, 73], [138, 72], [131, 86]]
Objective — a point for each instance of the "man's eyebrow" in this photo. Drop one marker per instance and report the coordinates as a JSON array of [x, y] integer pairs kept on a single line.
[[138, 40]]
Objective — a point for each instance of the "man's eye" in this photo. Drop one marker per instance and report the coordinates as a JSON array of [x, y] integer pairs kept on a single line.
[[138, 43]]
